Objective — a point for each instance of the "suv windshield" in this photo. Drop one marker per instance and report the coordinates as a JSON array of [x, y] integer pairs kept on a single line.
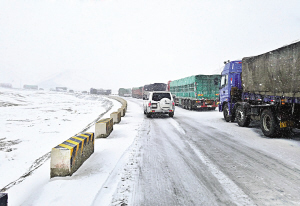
[[159, 96]]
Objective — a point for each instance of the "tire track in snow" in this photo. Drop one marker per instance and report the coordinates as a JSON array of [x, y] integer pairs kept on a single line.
[[120, 181], [266, 180], [167, 176], [235, 193]]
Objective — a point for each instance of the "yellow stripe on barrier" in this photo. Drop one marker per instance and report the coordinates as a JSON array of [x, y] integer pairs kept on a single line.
[[88, 140], [76, 143], [92, 135], [68, 147], [82, 140], [73, 142]]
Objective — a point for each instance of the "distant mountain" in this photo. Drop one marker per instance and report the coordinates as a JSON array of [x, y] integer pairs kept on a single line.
[[67, 78]]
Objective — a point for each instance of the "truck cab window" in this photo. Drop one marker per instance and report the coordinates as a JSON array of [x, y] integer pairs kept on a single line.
[[224, 81]]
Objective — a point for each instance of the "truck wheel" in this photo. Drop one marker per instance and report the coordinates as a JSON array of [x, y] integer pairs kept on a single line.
[[184, 104], [190, 105], [268, 123], [171, 114], [226, 114], [242, 119], [148, 115]]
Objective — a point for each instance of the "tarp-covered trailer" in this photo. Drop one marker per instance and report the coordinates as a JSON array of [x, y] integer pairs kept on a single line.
[[264, 88]]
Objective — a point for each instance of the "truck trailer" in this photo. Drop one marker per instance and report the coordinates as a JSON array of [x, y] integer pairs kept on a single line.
[[196, 92], [265, 88], [124, 92], [137, 92], [153, 87]]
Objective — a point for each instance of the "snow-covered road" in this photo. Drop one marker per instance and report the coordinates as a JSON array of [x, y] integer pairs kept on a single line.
[[195, 158]]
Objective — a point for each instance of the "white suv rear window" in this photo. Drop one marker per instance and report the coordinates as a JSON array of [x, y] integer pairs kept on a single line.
[[159, 96]]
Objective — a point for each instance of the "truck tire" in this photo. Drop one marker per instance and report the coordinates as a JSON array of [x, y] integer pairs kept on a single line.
[[189, 105], [171, 114], [226, 114], [268, 123], [242, 119], [148, 115]]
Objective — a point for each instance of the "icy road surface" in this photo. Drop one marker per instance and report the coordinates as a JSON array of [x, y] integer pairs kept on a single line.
[[195, 158]]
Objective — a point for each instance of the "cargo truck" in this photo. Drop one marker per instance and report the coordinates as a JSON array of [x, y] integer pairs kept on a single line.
[[124, 92], [137, 92], [153, 87], [100, 91], [265, 88], [196, 92]]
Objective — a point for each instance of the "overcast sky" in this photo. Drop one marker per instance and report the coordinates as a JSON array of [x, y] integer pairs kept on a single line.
[[129, 43]]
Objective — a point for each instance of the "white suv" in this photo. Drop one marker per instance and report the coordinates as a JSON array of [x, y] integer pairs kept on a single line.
[[159, 103]]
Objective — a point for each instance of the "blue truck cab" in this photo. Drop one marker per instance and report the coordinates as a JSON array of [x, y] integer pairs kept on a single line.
[[230, 83]]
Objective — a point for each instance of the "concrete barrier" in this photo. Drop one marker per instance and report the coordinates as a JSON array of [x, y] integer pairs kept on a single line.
[[104, 127], [3, 199], [122, 111], [116, 116], [67, 157], [122, 101]]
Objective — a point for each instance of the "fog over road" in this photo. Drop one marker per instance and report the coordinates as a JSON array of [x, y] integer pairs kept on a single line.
[[196, 158]]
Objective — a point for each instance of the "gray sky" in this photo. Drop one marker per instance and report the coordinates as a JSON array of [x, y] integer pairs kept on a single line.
[[129, 43]]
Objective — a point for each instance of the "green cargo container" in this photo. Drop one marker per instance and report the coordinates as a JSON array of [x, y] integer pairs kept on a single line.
[[198, 91], [124, 92]]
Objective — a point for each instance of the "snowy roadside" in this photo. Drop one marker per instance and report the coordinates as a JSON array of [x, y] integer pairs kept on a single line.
[[39, 189], [32, 122]]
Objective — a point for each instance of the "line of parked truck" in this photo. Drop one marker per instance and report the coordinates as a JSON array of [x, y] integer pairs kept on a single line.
[[194, 92], [263, 88]]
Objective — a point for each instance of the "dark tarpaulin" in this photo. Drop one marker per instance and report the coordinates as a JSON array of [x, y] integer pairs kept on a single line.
[[273, 73]]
